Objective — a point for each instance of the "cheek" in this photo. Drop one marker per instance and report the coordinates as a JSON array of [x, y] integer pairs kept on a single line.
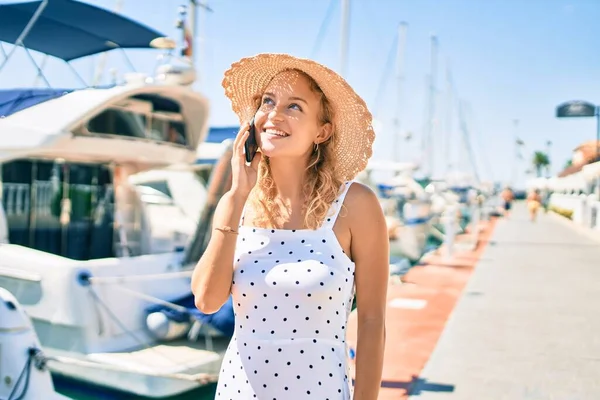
[[260, 118], [303, 128]]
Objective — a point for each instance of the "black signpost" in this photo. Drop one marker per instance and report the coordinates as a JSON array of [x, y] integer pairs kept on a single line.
[[577, 109]]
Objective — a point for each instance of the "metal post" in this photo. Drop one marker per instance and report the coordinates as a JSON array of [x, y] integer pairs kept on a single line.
[[515, 170], [40, 71], [475, 218], [449, 221], [25, 32], [549, 153], [76, 74], [4, 55]]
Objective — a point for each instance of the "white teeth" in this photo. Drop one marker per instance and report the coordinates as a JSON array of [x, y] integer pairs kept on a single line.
[[276, 132]]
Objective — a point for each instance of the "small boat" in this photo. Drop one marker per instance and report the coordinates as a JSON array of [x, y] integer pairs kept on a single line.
[[25, 374]]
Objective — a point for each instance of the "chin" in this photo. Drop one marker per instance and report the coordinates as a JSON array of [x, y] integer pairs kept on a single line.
[[268, 151]]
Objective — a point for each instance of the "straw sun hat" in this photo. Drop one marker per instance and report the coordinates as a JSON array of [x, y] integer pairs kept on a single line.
[[352, 120]]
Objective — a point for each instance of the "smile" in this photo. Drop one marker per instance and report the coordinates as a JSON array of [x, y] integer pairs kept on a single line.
[[276, 132]]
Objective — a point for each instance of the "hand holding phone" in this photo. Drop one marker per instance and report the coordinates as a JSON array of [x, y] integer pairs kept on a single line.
[[251, 144]]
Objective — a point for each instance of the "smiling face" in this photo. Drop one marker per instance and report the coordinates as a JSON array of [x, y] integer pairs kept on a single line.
[[290, 119]]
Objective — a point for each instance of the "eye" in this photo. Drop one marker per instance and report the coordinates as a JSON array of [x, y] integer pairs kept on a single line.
[[267, 100], [296, 106]]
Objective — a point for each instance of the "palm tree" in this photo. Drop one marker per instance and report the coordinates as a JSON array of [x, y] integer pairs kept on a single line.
[[540, 161], [568, 163]]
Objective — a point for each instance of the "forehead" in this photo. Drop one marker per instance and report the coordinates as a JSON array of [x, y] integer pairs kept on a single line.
[[288, 83]]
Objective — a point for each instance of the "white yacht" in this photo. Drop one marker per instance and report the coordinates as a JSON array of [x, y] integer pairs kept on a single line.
[[85, 248]]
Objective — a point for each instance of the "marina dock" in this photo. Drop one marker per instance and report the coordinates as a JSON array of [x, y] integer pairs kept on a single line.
[[514, 319]]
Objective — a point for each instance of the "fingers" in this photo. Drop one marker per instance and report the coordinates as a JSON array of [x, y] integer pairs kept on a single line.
[[256, 160], [239, 137]]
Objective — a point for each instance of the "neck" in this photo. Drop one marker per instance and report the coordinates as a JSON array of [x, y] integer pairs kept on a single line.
[[289, 175]]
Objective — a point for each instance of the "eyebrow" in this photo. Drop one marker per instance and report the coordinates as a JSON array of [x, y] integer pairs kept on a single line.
[[291, 98]]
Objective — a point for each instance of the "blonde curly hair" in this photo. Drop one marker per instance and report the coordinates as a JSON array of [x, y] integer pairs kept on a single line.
[[321, 184]]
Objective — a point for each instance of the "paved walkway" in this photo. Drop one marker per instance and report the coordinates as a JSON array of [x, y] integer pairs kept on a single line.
[[528, 323]]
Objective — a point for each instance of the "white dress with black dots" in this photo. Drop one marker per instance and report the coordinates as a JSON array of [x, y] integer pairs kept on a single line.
[[292, 293]]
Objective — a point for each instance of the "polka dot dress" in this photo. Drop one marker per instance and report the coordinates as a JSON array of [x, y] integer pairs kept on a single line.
[[292, 293]]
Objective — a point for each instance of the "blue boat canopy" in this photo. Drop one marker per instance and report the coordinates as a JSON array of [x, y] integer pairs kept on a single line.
[[69, 29], [14, 100]]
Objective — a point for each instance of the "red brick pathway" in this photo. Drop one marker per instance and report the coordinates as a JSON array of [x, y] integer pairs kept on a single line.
[[413, 333]]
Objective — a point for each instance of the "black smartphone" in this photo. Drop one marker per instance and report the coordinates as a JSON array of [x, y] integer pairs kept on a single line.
[[251, 145]]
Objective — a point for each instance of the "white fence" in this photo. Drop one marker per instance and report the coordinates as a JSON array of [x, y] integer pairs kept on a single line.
[[585, 208]]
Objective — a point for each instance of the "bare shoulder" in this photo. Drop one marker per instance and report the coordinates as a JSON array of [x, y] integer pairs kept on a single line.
[[362, 204], [369, 242]]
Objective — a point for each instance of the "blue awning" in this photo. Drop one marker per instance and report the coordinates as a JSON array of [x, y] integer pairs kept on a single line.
[[69, 29], [14, 100]]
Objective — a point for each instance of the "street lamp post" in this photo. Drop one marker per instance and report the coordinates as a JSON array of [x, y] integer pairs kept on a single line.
[[549, 154], [578, 109]]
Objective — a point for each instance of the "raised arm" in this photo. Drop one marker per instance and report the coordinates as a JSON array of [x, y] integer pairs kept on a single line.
[[211, 280]]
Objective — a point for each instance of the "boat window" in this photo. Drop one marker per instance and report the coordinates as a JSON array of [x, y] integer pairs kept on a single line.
[[151, 117], [177, 132], [118, 122], [63, 209], [160, 185]]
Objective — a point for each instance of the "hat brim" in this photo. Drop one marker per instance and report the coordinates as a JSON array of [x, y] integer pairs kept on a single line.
[[354, 139]]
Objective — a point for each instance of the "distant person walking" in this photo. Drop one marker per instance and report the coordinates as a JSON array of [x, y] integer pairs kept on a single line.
[[508, 196], [546, 200], [534, 201]]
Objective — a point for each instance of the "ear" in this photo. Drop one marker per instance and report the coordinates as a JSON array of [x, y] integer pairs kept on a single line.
[[325, 132]]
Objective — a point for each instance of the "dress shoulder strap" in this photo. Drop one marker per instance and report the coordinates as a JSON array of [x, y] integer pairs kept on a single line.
[[243, 215], [336, 206]]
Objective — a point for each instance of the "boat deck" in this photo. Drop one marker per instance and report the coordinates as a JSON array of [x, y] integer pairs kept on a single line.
[[176, 357], [516, 318]]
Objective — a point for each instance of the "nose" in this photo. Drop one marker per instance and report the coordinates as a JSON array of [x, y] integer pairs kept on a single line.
[[275, 114]]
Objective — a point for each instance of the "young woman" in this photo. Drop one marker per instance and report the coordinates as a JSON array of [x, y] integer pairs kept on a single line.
[[295, 238]]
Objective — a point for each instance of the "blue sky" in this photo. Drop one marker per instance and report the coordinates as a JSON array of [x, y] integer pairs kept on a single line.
[[511, 59]]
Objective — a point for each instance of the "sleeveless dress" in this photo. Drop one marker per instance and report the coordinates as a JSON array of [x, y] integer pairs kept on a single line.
[[292, 294]]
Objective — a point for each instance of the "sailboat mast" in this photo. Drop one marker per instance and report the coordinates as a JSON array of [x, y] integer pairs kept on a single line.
[[470, 154], [193, 24], [400, 84], [103, 57], [449, 111], [344, 37], [428, 134], [197, 46]]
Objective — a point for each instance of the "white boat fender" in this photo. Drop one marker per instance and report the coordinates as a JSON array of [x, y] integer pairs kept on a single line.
[[163, 328], [22, 364]]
